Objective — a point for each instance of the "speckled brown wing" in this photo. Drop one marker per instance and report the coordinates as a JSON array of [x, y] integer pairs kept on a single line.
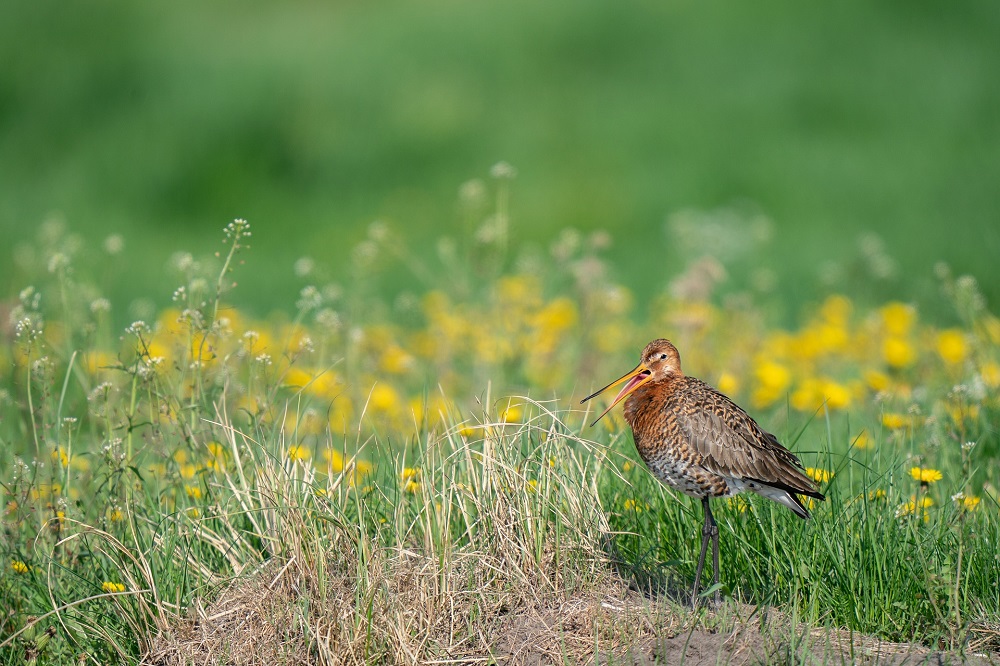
[[730, 442]]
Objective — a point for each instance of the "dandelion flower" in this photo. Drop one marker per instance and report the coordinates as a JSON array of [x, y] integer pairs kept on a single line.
[[898, 352], [819, 475], [951, 346], [915, 506], [297, 453], [728, 383], [19, 567], [898, 318], [925, 475], [966, 502], [633, 505], [110, 587]]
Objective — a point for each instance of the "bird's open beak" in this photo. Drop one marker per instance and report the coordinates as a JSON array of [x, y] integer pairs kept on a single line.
[[635, 379]]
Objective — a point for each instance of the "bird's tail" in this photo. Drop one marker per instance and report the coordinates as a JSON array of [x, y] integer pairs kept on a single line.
[[785, 498]]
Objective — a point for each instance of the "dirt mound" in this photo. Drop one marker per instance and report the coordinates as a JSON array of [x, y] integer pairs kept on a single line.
[[473, 610]]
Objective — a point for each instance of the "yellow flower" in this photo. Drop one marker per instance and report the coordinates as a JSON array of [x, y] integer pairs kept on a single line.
[[384, 399], [898, 318], [59, 456], [894, 421], [877, 381], [970, 503], [915, 506], [897, 352], [837, 395], [728, 383], [773, 380], [951, 346], [511, 415], [990, 372], [296, 453], [395, 360], [411, 487], [108, 586], [739, 503], [19, 567], [116, 515], [633, 505], [819, 475], [876, 495], [836, 309], [863, 440], [627, 467], [925, 474], [194, 492]]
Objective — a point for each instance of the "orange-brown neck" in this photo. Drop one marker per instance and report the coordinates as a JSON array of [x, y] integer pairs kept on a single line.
[[642, 403]]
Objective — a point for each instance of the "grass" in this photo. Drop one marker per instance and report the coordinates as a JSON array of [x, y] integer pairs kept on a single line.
[[404, 480]]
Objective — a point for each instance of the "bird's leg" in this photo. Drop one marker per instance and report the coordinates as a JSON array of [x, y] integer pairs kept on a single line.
[[706, 534], [715, 549]]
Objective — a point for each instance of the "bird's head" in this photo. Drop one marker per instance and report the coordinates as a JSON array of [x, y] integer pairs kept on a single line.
[[660, 360]]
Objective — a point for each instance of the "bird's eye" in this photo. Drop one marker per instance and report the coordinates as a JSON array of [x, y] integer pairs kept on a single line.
[[663, 357]]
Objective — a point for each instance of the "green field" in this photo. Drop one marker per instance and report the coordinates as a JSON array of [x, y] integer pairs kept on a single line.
[[351, 431], [312, 120]]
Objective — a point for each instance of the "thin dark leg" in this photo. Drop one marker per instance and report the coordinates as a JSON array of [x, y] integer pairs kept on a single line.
[[706, 534], [715, 551]]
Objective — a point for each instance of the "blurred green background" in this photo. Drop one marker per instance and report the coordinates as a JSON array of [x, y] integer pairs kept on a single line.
[[163, 121]]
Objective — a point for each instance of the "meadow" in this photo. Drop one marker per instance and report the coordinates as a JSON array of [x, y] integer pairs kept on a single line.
[[370, 476]]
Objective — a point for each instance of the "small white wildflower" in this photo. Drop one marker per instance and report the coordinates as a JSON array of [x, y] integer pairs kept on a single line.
[[304, 267], [600, 240], [264, 359], [69, 420], [503, 170], [238, 228], [137, 328], [306, 344], [958, 497], [332, 292], [329, 319], [472, 192], [30, 298], [58, 262], [309, 298], [968, 446], [41, 366], [180, 294], [365, 253], [27, 329], [99, 305], [378, 231], [114, 244], [182, 261], [100, 392]]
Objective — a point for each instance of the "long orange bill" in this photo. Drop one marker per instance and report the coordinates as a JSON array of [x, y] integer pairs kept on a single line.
[[635, 379]]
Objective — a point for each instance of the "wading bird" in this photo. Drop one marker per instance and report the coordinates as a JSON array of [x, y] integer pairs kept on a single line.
[[698, 441]]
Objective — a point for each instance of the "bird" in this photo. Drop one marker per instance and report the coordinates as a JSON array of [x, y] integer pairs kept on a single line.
[[696, 440]]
